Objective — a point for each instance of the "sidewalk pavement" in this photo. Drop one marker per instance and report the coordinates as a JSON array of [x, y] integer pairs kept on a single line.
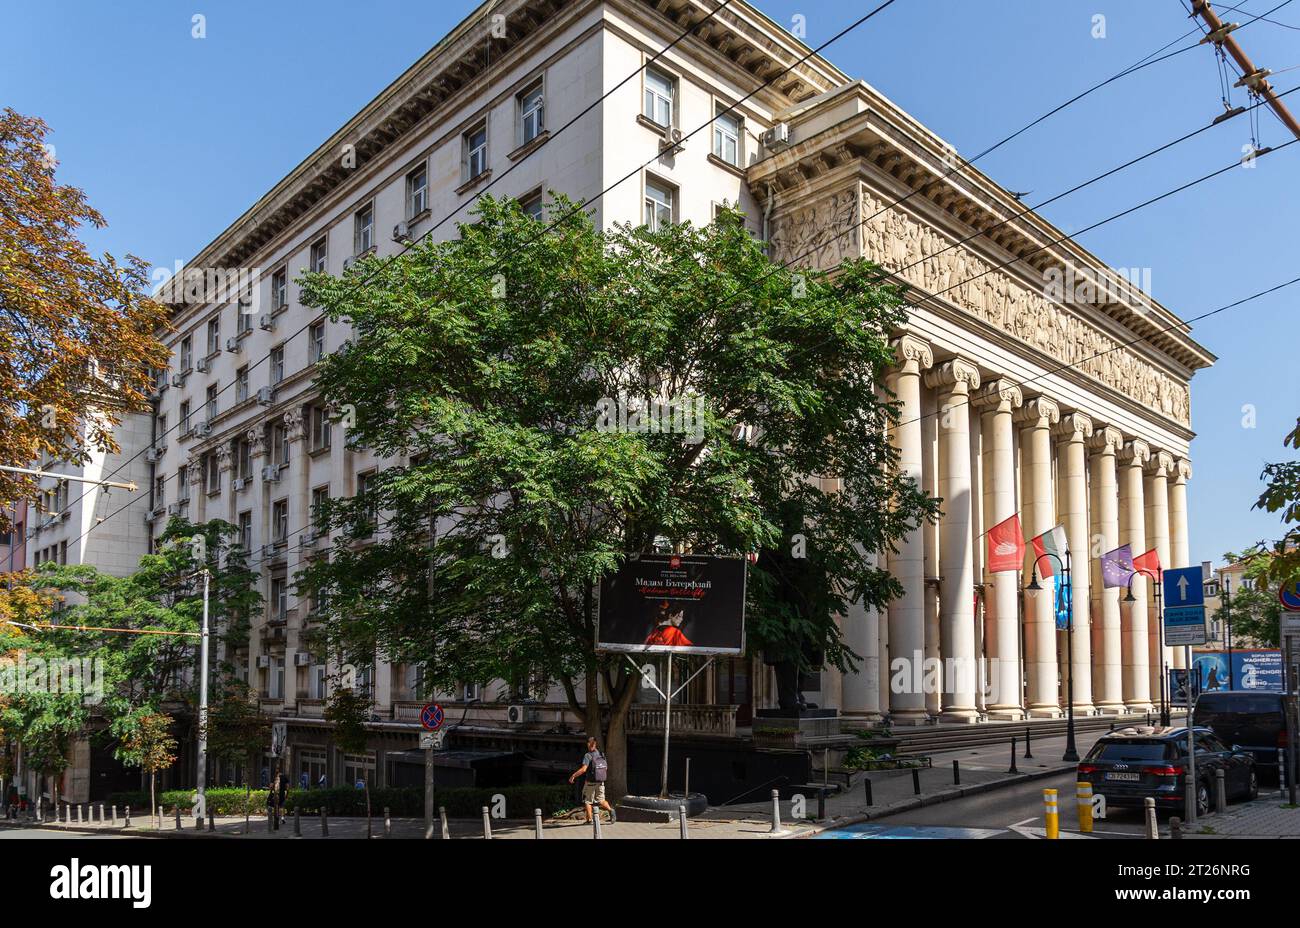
[[1269, 816]]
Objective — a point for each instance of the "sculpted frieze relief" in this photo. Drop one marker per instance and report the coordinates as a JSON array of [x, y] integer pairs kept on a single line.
[[816, 235]]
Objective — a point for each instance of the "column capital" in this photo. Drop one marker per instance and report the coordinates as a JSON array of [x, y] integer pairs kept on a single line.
[[912, 354], [225, 456], [1160, 464], [194, 469], [1039, 412], [1136, 452], [1001, 395], [1106, 440], [256, 441], [958, 374], [1182, 470], [1074, 426], [293, 424]]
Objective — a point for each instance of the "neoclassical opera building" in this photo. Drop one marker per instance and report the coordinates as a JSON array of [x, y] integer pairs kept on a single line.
[[1019, 395]]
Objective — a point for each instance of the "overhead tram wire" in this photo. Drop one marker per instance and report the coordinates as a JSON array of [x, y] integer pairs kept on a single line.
[[580, 207], [1149, 60], [479, 193]]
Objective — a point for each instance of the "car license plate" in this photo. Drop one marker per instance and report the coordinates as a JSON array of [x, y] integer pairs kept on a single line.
[[1117, 775]]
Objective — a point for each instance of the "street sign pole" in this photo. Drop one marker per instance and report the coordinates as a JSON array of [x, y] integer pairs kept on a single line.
[[428, 792], [431, 719]]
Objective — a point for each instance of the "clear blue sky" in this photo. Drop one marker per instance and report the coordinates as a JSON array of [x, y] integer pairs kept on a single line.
[[174, 137]]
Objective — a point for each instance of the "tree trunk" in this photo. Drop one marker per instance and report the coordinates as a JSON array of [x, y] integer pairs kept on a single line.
[[616, 748], [153, 802]]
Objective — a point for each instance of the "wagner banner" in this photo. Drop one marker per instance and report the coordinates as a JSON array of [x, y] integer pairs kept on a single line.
[[678, 603]]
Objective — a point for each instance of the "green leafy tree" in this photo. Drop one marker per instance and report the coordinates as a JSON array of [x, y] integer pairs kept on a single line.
[[1282, 495], [145, 740], [238, 731], [347, 709], [500, 366]]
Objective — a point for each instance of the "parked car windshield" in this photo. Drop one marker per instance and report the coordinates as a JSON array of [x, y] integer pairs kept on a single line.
[[1123, 751]]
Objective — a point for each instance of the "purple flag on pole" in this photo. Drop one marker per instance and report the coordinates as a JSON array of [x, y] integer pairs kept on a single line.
[[1117, 566]]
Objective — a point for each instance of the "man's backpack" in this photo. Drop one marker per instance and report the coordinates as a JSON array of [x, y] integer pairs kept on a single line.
[[599, 768]]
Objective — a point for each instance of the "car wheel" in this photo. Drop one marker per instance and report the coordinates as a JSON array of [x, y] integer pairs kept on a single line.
[[1253, 791], [1202, 798]]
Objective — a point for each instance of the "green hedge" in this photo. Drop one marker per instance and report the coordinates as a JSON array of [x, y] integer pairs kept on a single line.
[[406, 802]]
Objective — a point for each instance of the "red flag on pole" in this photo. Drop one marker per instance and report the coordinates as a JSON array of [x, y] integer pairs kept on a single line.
[[1149, 561], [1006, 545]]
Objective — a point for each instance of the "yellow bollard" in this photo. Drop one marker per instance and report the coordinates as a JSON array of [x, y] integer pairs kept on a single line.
[[1084, 799], [1052, 814]]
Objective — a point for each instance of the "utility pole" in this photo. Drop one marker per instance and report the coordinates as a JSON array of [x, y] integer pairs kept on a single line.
[[1252, 77]]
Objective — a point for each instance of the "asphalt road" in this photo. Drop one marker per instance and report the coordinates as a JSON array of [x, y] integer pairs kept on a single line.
[[50, 833], [1014, 812]]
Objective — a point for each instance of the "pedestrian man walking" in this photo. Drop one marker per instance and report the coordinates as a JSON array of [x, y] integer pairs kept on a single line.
[[594, 771]]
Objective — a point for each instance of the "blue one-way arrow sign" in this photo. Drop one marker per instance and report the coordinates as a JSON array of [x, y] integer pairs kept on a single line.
[[1184, 586]]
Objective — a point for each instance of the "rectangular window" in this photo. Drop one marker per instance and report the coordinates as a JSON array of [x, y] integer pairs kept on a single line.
[[244, 321], [531, 111], [364, 235], [532, 205], [214, 335], [277, 364], [182, 483], [246, 530], [319, 256], [160, 490], [241, 384], [358, 770], [319, 497], [185, 417], [275, 683], [316, 341], [659, 94], [417, 192], [726, 137], [279, 444], [320, 428], [475, 151], [280, 521], [187, 354], [658, 205], [213, 473], [210, 406], [279, 289], [243, 457], [365, 483]]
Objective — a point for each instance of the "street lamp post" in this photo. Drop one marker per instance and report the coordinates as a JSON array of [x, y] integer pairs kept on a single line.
[[1071, 754], [1160, 623]]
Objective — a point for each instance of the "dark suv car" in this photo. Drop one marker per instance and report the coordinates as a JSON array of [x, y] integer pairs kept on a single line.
[[1132, 764], [1253, 720]]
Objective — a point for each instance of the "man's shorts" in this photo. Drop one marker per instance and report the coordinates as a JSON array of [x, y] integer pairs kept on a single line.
[[593, 792]]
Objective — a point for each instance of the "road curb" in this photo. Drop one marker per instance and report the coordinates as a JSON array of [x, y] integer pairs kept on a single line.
[[947, 795]]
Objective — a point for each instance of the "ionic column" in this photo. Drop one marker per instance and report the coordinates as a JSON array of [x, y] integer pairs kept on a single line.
[[955, 380], [1074, 431], [907, 614], [1180, 554], [1132, 515], [1156, 491], [860, 692], [194, 466], [1106, 444], [1039, 415], [998, 402]]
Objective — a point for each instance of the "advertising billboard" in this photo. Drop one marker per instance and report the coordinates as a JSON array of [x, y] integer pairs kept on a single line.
[[673, 603], [1252, 669]]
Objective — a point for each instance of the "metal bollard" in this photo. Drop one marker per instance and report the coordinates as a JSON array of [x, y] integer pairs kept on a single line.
[[101, 818], [128, 817], [595, 823], [1153, 827], [324, 823], [1013, 757], [1083, 799], [1029, 754], [442, 816], [681, 819], [177, 810], [388, 823], [1220, 791], [212, 820], [776, 811], [159, 818], [686, 789], [821, 803], [1281, 772], [956, 773], [916, 781], [78, 813], [1051, 814], [1175, 827], [297, 821], [487, 823], [866, 785], [537, 824]]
